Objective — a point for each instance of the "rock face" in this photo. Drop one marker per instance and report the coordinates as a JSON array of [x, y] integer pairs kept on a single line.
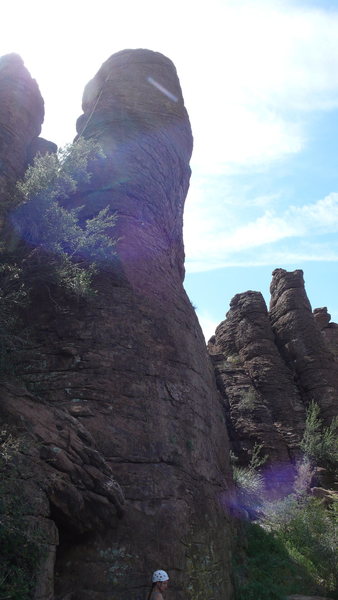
[[301, 343], [329, 330], [134, 106], [21, 116], [60, 475], [269, 366], [122, 397]]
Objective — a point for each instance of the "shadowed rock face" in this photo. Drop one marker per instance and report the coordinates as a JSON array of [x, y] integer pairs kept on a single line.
[[329, 330], [263, 402], [131, 369], [21, 116], [269, 366]]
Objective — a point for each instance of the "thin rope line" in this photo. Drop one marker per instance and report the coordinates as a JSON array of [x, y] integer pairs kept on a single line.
[[94, 107]]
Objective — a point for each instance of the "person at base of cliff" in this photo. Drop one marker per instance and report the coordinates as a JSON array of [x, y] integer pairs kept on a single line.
[[159, 584]]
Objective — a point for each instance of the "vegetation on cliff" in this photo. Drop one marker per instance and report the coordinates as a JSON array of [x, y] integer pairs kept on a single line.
[[319, 443], [292, 546], [20, 543], [47, 245]]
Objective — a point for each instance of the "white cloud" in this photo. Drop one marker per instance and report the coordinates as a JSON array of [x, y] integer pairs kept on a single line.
[[267, 65], [271, 258], [243, 137], [211, 243], [243, 64], [320, 217]]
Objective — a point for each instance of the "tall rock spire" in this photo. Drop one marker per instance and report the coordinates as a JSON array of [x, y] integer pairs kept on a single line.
[[124, 378], [134, 107], [301, 342], [269, 366]]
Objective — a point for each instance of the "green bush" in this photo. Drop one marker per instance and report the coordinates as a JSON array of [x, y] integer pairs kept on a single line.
[[66, 249], [249, 487], [308, 531], [46, 246], [20, 546], [292, 547], [247, 402], [248, 480], [266, 571], [319, 443], [13, 296], [311, 537]]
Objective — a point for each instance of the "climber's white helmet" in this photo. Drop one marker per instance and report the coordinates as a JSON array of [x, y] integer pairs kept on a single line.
[[160, 576]]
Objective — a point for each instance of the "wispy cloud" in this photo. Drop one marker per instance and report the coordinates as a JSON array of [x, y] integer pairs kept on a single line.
[[255, 242], [250, 69], [268, 65]]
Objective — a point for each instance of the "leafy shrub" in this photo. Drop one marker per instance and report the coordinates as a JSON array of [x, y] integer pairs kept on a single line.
[[71, 250], [46, 245], [249, 487], [303, 478], [267, 571], [13, 296], [248, 480], [20, 548], [234, 359], [308, 531], [247, 401], [319, 443], [292, 547]]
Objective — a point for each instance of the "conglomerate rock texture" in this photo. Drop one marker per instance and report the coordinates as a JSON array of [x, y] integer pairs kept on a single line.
[[269, 367], [125, 423]]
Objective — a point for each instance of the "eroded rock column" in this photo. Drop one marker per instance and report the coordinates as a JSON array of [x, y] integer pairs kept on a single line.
[[130, 365], [301, 342], [263, 403]]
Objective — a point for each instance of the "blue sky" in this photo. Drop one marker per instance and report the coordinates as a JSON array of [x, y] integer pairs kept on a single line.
[[260, 81], [293, 183]]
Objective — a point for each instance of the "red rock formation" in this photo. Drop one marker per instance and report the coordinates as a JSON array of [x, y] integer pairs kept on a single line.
[[64, 477], [124, 384], [301, 343], [21, 116], [269, 366], [134, 106], [263, 402], [329, 330]]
